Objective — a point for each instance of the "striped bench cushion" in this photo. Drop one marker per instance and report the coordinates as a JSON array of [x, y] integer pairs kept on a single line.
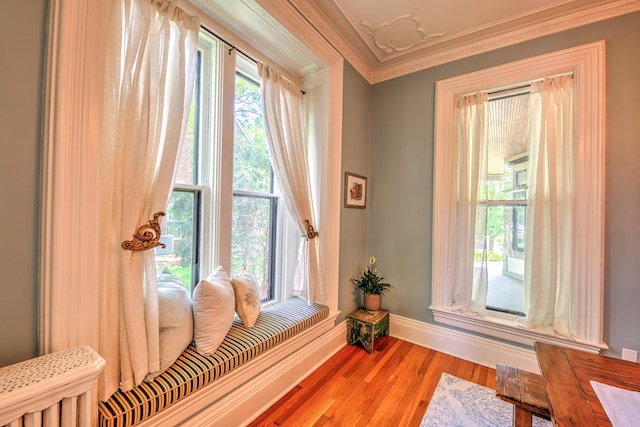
[[193, 371]]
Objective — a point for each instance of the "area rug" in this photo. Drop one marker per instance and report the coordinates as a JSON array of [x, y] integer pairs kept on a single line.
[[460, 403]]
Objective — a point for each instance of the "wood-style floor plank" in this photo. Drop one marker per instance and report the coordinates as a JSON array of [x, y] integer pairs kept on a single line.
[[390, 387]]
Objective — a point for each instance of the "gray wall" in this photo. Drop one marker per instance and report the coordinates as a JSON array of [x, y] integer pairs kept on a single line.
[[22, 33], [402, 168], [355, 159], [397, 117]]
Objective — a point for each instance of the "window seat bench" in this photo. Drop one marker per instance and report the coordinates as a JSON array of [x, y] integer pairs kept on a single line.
[[193, 372]]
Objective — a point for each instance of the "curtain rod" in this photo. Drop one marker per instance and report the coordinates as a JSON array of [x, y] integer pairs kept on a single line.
[[233, 47], [523, 86], [511, 89]]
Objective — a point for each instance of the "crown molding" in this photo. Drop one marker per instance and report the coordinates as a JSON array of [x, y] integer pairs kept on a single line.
[[332, 36], [530, 32], [288, 16], [427, 60]]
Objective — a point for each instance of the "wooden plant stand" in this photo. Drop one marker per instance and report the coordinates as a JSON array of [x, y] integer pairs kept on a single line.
[[365, 326]]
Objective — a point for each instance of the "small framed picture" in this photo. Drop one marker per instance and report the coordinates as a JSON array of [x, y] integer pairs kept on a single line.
[[355, 191]]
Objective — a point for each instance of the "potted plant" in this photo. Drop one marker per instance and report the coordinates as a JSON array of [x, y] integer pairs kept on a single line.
[[372, 286]]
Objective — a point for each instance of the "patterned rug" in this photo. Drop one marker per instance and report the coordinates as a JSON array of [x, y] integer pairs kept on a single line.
[[460, 403]]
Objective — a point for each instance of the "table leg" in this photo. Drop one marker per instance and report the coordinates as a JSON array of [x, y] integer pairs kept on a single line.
[[521, 417]]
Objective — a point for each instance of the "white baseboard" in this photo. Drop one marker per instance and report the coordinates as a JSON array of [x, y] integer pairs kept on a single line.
[[248, 401], [477, 349]]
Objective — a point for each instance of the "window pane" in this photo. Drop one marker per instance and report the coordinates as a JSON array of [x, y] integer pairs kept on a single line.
[[518, 222], [508, 131], [504, 265], [179, 257], [187, 166], [507, 181], [252, 168], [252, 239]]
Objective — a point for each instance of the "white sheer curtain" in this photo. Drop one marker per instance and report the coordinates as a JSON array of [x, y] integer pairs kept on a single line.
[[549, 263], [149, 77], [282, 103], [467, 282]]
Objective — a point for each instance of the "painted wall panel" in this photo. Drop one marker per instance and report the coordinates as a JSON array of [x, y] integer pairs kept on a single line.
[[355, 159], [22, 36]]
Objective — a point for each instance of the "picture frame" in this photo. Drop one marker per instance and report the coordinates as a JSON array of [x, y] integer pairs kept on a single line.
[[355, 191]]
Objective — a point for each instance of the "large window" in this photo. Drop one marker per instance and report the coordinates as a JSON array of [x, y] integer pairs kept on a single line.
[[224, 207], [255, 204], [518, 200]]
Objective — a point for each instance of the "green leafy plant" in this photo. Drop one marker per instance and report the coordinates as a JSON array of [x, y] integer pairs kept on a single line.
[[370, 282], [491, 256]]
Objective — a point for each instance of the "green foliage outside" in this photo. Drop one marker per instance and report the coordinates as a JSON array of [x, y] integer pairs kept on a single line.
[[251, 216], [180, 226], [181, 209], [252, 167], [182, 273], [491, 256]]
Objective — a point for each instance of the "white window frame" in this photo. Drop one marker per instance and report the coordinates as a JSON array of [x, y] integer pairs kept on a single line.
[[216, 163], [207, 154], [216, 167], [586, 63], [282, 254], [208, 157]]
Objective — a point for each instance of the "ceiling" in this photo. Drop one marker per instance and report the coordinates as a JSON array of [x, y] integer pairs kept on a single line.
[[384, 39], [387, 38], [399, 29]]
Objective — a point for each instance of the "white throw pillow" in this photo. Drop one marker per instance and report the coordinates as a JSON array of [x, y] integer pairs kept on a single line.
[[213, 306], [175, 321], [247, 298]]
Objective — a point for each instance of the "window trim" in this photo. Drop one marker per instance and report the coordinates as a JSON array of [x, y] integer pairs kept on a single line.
[[586, 62]]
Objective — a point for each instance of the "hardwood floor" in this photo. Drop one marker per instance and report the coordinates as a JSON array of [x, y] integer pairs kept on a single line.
[[390, 387]]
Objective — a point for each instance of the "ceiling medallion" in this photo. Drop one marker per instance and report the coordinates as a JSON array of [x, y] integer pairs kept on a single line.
[[393, 45]]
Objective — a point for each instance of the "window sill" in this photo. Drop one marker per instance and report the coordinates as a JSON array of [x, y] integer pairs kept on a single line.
[[505, 328]]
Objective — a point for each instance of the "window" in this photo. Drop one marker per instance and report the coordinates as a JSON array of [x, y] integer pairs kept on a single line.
[[496, 221], [73, 144], [224, 206], [507, 159], [184, 214], [181, 236], [255, 204]]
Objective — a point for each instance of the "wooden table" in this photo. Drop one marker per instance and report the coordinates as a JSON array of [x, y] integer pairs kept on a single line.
[[567, 372], [525, 390]]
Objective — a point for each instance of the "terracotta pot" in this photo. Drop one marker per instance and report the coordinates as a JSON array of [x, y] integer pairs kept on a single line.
[[372, 302]]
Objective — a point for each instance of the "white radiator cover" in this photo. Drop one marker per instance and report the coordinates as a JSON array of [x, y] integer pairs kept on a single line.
[[53, 390]]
